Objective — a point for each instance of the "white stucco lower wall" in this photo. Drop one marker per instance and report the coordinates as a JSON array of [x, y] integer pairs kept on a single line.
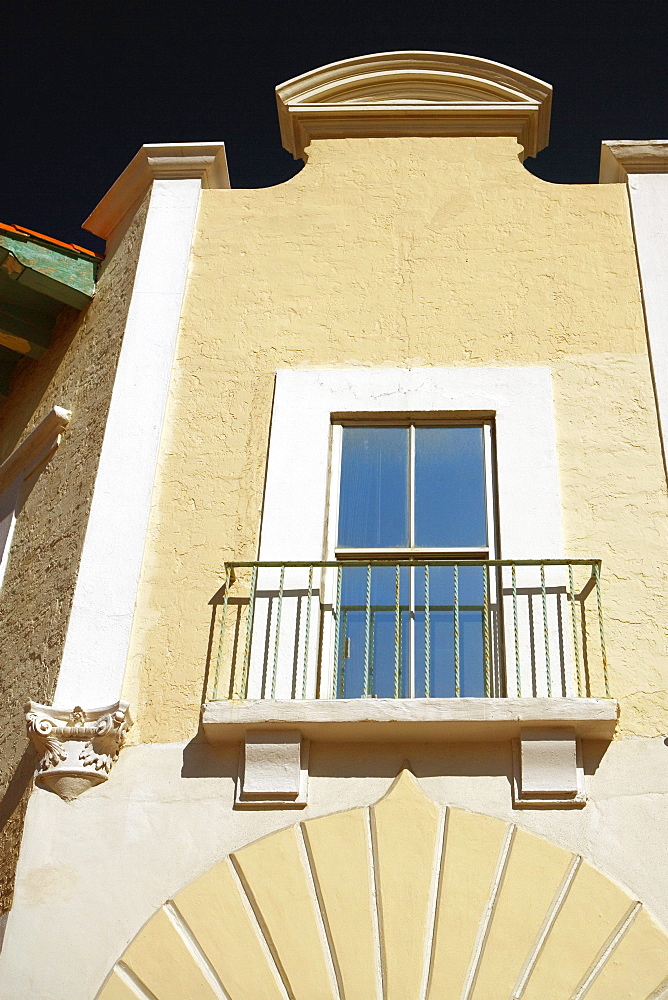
[[93, 871]]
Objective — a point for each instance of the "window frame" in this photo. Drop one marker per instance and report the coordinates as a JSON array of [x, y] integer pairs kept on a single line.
[[490, 551], [339, 553]]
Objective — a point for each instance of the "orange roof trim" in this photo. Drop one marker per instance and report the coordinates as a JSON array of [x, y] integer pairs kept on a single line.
[[22, 231]]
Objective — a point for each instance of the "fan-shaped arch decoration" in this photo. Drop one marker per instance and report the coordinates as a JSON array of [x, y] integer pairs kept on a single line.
[[402, 901], [411, 94]]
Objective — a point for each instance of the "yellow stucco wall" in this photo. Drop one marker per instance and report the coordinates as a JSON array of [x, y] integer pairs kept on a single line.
[[405, 252]]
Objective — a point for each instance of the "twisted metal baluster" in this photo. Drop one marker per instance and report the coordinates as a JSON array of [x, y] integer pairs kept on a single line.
[[574, 622], [367, 631], [597, 578], [427, 635], [277, 637], [249, 633], [485, 629], [518, 672], [307, 631], [337, 635], [455, 608], [397, 633], [546, 631], [223, 618]]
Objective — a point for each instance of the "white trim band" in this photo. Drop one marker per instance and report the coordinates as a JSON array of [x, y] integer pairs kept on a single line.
[[98, 635]]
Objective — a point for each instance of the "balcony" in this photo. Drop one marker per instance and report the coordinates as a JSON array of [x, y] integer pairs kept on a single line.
[[425, 647]]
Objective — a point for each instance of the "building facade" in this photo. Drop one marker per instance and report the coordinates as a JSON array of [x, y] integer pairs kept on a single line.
[[338, 596]]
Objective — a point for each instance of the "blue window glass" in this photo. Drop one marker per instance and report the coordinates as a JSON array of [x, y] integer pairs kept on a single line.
[[444, 663], [373, 506], [388, 622], [381, 655], [450, 487]]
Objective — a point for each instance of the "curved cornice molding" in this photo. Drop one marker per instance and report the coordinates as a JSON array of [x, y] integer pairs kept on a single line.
[[411, 94]]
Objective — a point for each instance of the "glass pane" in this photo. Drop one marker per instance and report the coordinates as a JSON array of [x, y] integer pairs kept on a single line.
[[440, 598], [450, 508], [373, 505], [387, 649]]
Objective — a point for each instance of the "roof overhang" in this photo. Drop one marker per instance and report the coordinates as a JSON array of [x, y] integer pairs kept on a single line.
[[414, 94], [38, 276]]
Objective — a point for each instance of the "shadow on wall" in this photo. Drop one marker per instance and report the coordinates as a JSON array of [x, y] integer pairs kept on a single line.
[[381, 760], [12, 811]]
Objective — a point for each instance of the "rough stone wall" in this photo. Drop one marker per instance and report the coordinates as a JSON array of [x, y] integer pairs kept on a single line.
[[405, 253], [76, 372]]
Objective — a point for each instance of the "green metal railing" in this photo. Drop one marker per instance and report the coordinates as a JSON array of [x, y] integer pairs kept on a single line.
[[410, 628]]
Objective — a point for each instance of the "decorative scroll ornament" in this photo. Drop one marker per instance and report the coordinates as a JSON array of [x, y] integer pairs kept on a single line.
[[77, 747]]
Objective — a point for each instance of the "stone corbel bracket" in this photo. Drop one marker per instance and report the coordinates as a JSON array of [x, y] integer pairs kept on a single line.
[[273, 770], [77, 747], [547, 770]]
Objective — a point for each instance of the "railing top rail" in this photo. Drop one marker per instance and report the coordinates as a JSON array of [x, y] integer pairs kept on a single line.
[[300, 564], [505, 617]]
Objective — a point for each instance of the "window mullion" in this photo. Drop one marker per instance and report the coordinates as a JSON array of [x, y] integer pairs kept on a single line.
[[411, 571]]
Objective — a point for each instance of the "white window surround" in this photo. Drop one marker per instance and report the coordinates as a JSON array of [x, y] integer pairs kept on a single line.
[[303, 469], [298, 471], [294, 527], [22, 465]]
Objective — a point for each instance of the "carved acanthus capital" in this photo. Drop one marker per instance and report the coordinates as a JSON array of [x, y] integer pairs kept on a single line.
[[77, 747]]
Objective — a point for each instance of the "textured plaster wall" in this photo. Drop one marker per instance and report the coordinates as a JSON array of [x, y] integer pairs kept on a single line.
[[77, 372], [93, 871], [405, 252]]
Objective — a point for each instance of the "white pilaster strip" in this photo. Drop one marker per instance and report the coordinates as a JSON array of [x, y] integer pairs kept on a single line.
[[98, 635], [261, 927], [546, 929], [329, 951], [434, 902], [644, 167], [660, 993]]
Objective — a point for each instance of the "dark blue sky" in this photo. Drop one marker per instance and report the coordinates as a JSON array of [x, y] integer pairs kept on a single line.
[[85, 84]]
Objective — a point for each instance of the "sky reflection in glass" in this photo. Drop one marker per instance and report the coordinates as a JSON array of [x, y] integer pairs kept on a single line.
[[449, 487], [373, 506], [449, 511], [383, 637]]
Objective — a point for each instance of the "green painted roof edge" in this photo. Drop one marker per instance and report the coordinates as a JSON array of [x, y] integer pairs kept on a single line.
[[57, 273]]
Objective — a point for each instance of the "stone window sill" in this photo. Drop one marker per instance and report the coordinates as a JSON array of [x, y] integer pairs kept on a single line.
[[446, 720]]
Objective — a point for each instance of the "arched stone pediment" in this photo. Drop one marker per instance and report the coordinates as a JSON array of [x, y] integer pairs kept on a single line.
[[411, 94], [402, 901]]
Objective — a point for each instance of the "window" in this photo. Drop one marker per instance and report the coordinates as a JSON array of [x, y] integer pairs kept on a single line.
[[413, 492]]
